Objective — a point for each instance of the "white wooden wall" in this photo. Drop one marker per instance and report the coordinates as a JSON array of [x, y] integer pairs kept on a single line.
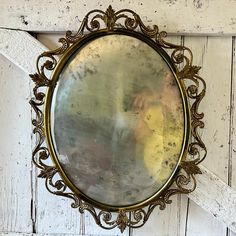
[[26, 208]]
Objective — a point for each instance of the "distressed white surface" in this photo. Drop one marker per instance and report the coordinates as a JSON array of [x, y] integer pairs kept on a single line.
[[175, 16], [54, 214], [47, 234], [232, 176], [232, 136], [210, 53], [20, 48], [216, 197], [15, 149]]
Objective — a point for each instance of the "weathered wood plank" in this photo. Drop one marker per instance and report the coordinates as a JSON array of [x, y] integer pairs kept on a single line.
[[15, 149], [216, 197], [232, 137], [48, 234], [54, 214], [175, 16], [171, 221], [214, 55], [20, 48]]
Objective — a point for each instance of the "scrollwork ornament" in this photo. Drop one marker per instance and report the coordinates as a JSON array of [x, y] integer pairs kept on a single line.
[[181, 57]]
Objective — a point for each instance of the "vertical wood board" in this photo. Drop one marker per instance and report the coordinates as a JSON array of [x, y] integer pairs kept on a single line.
[[214, 55], [15, 149]]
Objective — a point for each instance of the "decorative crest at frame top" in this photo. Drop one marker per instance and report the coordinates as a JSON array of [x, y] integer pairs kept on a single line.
[[111, 20], [181, 57]]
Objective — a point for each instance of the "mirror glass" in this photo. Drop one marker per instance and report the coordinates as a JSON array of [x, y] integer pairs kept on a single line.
[[117, 120]]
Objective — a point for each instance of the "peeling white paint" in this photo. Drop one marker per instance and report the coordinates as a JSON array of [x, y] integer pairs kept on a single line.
[[176, 16]]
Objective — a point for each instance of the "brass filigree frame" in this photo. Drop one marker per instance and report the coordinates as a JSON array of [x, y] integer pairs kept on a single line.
[[181, 57]]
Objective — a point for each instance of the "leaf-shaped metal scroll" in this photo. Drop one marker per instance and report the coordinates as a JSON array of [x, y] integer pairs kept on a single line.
[[181, 57]]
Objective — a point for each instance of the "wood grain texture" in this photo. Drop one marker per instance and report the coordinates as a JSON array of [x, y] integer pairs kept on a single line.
[[48, 234], [20, 48], [217, 198], [15, 149], [175, 16], [171, 221], [232, 136], [210, 53]]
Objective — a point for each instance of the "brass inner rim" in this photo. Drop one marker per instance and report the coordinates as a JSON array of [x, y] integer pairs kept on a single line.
[[47, 114]]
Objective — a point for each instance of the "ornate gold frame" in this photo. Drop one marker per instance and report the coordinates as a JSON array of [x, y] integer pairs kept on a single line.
[[183, 180]]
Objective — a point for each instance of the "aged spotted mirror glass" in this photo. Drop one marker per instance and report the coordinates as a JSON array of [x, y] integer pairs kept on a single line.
[[119, 121]]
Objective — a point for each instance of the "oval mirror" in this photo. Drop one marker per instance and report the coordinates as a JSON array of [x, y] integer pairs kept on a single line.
[[118, 119], [116, 114]]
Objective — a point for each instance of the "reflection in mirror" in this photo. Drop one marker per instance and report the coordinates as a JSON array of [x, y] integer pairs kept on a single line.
[[118, 120]]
